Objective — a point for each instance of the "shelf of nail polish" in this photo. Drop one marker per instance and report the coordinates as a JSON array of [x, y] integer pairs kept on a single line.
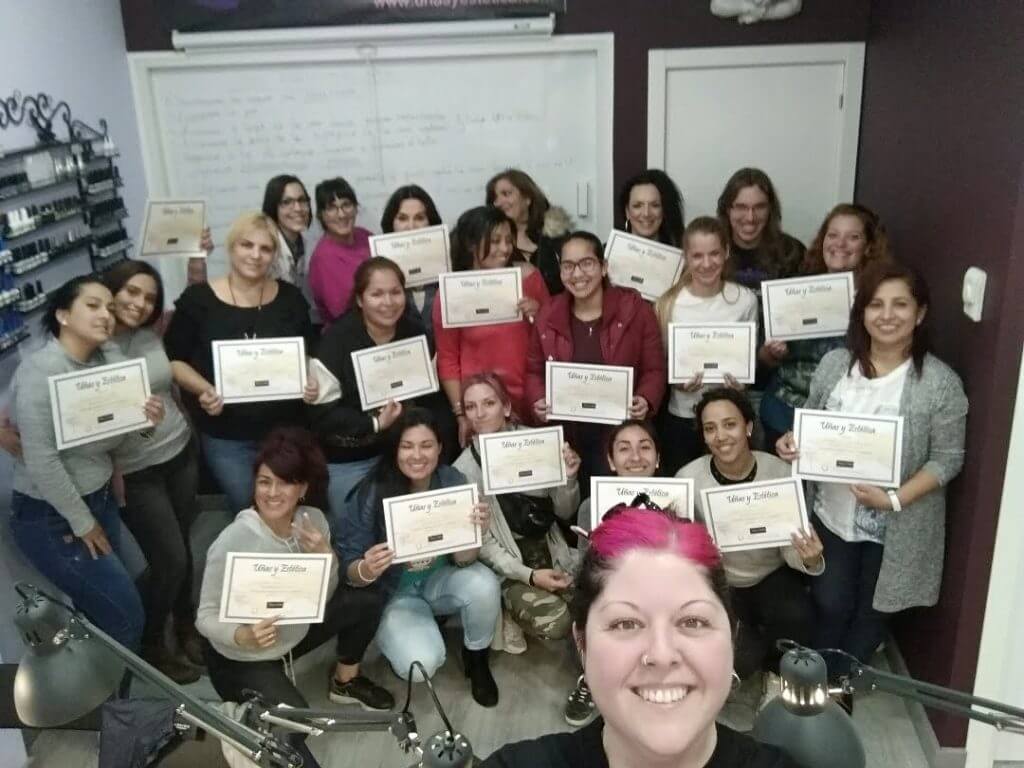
[[42, 259], [31, 305], [11, 339], [16, 153], [6, 257], [14, 190], [26, 224], [9, 297], [112, 250], [101, 187], [103, 219]]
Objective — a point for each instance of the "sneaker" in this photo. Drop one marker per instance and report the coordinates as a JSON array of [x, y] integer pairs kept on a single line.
[[512, 637], [771, 687], [580, 709], [362, 691]]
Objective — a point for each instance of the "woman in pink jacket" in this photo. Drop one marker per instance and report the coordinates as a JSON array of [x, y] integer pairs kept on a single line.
[[596, 323]]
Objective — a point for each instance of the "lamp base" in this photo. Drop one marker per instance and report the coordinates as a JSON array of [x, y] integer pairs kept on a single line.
[[827, 738]]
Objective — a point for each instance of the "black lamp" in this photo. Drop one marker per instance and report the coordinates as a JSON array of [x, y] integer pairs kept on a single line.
[[71, 667], [805, 723]]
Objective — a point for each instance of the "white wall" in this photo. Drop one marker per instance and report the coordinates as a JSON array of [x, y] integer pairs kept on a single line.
[[74, 51]]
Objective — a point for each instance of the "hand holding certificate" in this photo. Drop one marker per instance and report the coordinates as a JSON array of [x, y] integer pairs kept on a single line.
[[258, 370], [480, 297], [607, 492], [807, 307], [848, 448], [397, 371], [423, 254], [712, 349], [173, 228], [100, 402], [593, 393], [646, 265], [522, 460], [755, 515], [258, 586], [433, 523]]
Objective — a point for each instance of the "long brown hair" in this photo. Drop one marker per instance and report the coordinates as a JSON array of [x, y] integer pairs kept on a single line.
[[772, 243], [874, 233], [858, 341], [527, 188]]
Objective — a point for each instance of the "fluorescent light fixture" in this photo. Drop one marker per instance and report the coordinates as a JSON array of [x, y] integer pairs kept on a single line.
[[362, 34]]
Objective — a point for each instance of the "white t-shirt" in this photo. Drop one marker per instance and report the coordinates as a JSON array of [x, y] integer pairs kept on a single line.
[[733, 304], [834, 504]]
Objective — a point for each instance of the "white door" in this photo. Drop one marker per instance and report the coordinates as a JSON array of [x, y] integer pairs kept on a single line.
[[793, 111]]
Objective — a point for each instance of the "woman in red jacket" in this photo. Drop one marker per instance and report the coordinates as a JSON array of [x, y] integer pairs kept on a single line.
[[595, 322]]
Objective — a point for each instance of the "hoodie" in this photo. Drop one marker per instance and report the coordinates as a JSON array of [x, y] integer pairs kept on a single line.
[[248, 533]]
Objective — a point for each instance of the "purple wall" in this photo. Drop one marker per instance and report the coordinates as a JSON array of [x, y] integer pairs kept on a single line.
[[942, 160], [647, 24]]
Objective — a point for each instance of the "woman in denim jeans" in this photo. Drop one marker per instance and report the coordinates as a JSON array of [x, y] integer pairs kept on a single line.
[[417, 591], [63, 514]]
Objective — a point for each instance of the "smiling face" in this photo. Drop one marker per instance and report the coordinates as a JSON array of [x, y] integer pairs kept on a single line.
[[705, 258], [633, 453], [90, 316], [293, 210], [135, 302], [412, 214], [484, 409], [644, 212], [659, 608], [726, 434], [276, 498], [748, 216], [252, 254], [892, 315], [418, 453], [581, 269], [383, 301], [339, 218], [845, 243], [510, 201], [499, 252]]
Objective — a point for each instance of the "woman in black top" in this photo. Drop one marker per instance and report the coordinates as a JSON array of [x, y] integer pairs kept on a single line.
[[652, 624], [247, 303], [351, 437]]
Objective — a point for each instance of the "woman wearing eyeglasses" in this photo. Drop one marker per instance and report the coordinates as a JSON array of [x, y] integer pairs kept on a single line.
[[343, 247], [286, 202], [597, 323]]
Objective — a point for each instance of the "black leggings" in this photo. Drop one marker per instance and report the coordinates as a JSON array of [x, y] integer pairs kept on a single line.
[[777, 607], [351, 615]]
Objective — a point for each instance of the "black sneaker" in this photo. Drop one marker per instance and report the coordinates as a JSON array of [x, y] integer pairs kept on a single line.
[[580, 709], [362, 691]]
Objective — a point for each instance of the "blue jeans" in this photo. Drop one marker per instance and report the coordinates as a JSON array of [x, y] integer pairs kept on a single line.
[[844, 596], [230, 463], [342, 478], [102, 588], [408, 631]]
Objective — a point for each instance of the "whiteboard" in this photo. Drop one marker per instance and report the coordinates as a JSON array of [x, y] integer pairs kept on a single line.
[[446, 116], [793, 111]]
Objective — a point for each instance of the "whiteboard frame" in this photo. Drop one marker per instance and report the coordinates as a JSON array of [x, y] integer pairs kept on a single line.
[[851, 55], [141, 66]]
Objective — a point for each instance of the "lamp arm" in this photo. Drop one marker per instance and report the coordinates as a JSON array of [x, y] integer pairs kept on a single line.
[[1001, 716]]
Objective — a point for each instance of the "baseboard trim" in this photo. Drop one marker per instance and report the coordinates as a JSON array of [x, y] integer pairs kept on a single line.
[[937, 755]]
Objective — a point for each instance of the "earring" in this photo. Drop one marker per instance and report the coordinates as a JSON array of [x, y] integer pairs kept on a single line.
[[735, 680], [645, 661]]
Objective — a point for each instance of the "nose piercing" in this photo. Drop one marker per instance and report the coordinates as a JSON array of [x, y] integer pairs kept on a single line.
[[645, 661]]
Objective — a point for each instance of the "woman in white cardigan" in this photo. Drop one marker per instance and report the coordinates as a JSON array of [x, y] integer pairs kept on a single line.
[[524, 544]]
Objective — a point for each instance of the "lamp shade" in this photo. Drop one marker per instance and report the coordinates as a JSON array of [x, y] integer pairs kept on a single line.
[[65, 673]]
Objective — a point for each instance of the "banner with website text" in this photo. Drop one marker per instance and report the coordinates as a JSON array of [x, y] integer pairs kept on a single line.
[[224, 15]]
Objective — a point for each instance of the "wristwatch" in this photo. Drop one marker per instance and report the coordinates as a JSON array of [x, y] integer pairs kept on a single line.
[[894, 500]]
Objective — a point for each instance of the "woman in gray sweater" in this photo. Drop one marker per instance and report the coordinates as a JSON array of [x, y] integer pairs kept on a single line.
[[884, 549], [64, 517]]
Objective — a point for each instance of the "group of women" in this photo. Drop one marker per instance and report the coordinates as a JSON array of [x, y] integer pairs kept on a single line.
[[310, 475]]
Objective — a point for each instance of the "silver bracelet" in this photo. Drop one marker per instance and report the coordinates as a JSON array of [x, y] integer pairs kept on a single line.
[[359, 571]]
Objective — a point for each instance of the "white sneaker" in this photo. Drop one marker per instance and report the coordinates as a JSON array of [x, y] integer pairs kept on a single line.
[[512, 638]]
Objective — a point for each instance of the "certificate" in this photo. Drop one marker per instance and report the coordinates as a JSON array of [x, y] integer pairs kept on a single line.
[[807, 307], [397, 371], [259, 585], [423, 254], [607, 492], [755, 515], [99, 402], [433, 523], [173, 228], [256, 370], [522, 460], [646, 265], [713, 349], [595, 393], [480, 297], [848, 448]]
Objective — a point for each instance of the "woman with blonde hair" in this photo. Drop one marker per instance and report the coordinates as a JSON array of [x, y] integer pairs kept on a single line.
[[703, 294], [246, 303]]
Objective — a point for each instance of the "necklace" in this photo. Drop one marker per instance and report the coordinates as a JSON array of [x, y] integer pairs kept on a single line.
[[251, 333]]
